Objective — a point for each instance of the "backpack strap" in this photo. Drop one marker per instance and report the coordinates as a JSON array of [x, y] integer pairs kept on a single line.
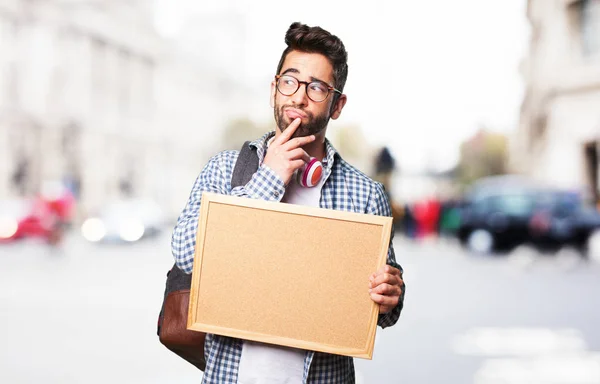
[[245, 166]]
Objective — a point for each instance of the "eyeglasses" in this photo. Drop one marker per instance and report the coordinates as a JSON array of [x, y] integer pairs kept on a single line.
[[317, 91]]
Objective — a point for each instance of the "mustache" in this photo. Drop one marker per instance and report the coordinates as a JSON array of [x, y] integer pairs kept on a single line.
[[283, 107]]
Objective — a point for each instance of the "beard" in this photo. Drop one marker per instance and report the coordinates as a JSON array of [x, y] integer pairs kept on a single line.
[[315, 124]]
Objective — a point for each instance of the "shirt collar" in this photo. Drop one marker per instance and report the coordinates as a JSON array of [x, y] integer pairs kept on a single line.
[[261, 148]]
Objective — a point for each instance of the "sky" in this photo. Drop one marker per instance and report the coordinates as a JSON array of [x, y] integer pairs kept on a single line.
[[423, 75]]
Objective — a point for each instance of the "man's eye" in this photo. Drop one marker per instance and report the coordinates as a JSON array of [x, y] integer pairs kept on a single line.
[[315, 87]]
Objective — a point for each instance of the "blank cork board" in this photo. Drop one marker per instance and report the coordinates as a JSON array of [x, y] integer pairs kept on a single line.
[[287, 274]]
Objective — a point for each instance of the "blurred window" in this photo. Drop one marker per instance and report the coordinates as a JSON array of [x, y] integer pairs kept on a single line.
[[9, 74], [566, 204], [125, 74], [561, 204], [482, 206], [99, 75], [5, 41], [589, 11], [147, 84], [515, 205]]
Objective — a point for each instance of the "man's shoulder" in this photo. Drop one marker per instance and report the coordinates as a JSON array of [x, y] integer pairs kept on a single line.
[[359, 183], [227, 156], [355, 175], [231, 155], [221, 163], [366, 194]]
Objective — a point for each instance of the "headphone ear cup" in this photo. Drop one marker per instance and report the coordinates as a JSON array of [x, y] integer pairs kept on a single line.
[[311, 173]]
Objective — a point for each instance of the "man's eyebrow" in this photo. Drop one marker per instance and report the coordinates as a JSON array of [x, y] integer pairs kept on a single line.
[[290, 70], [312, 78], [294, 70]]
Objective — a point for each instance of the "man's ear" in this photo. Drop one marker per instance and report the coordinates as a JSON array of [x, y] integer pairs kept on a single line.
[[273, 93], [338, 106]]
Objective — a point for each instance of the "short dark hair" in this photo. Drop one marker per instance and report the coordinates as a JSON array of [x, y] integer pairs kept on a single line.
[[301, 37]]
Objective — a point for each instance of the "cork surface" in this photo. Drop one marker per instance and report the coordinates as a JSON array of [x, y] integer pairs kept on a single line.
[[287, 274]]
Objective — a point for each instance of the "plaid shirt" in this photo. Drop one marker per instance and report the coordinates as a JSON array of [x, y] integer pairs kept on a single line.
[[345, 189]]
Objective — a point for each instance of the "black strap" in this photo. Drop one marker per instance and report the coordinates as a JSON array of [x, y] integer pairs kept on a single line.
[[245, 166]]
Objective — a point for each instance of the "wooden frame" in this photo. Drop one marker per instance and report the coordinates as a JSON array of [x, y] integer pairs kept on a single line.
[[287, 274]]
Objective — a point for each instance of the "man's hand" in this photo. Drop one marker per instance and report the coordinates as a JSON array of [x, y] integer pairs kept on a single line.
[[285, 156], [385, 287]]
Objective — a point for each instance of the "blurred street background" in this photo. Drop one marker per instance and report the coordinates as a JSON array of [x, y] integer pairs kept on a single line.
[[84, 313], [480, 117]]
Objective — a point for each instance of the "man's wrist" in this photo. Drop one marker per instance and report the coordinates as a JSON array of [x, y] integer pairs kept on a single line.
[[266, 185]]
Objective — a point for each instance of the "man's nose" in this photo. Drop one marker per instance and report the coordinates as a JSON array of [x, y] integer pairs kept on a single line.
[[300, 97]]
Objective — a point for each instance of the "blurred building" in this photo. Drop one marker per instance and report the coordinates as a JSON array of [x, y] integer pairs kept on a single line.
[[78, 105], [91, 95], [559, 133]]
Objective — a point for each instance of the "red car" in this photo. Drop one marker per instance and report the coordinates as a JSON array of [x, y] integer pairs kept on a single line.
[[39, 217]]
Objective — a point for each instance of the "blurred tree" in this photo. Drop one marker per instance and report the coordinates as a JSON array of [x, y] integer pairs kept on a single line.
[[239, 130], [349, 140], [352, 145], [484, 154]]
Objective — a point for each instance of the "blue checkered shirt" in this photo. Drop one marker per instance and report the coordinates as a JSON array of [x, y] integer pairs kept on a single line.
[[345, 189]]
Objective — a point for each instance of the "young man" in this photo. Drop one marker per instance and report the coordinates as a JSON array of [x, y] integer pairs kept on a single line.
[[305, 94]]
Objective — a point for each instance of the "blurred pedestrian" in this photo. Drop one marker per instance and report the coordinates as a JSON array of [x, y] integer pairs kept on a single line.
[[305, 93], [449, 218], [409, 223], [427, 213], [384, 167]]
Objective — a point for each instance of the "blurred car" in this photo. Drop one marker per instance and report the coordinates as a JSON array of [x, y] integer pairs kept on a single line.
[[562, 218], [503, 212], [27, 218], [124, 221], [496, 219]]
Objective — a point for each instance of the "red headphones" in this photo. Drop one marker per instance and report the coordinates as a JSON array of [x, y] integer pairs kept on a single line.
[[310, 174]]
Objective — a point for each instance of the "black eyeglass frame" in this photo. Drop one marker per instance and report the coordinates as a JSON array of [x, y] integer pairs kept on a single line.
[[306, 84]]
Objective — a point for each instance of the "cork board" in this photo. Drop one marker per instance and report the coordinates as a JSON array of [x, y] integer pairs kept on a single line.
[[287, 274]]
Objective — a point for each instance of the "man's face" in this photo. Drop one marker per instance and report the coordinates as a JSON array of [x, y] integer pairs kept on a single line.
[[315, 115]]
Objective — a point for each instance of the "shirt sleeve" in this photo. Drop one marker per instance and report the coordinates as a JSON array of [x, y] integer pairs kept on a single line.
[[379, 205], [216, 177]]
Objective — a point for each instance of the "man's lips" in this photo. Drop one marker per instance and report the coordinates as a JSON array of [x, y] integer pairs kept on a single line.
[[294, 114]]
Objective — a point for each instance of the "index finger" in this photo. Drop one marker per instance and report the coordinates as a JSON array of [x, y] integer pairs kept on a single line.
[[288, 132], [389, 269]]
